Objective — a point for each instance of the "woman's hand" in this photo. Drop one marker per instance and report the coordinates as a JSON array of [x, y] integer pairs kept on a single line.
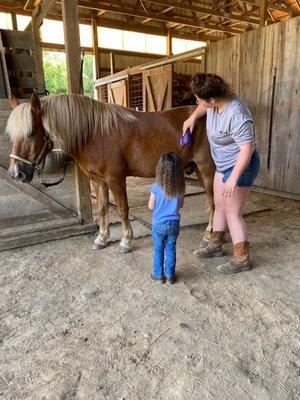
[[198, 113], [229, 187], [189, 124]]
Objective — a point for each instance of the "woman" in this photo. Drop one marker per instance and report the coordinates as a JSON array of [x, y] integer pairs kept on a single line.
[[229, 126]]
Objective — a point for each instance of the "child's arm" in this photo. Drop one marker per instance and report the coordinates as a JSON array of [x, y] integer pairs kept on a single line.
[[151, 202]]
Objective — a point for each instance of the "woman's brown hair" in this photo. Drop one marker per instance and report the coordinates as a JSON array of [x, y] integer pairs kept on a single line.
[[207, 86], [170, 175]]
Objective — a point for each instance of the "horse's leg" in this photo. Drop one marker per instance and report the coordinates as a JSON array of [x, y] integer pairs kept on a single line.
[[102, 196], [118, 188], [206, 180]]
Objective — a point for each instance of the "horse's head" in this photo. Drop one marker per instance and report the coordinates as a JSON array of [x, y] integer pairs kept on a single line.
[[30, 143]]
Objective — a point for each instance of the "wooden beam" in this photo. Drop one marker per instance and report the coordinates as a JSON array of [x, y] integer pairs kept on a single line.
[[41, 11], [157, 17], [204, 10], [38, 56], [271, 6], [96, 49], [135, 27], [169, 43], [14, 21], [72, 42], [263, 12], [112, 62]]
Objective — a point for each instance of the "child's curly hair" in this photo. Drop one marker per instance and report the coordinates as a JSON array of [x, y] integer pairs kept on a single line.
[[170, 175], [207, 86]]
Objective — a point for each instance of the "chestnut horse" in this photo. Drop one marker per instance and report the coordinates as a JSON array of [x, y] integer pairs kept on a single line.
[[109, 142]]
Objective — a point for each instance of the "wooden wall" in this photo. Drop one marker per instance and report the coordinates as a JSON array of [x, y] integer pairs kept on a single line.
[[263, 67]]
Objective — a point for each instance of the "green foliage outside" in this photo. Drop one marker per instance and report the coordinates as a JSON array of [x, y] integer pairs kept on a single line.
[[56, 73]]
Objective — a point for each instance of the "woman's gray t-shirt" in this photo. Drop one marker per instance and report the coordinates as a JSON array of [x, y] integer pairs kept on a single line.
[[227, 131]]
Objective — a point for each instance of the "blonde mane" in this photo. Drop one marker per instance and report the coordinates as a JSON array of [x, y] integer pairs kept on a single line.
[[70, 120]]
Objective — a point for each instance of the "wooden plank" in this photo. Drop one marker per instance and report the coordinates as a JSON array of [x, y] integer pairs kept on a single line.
[[37, 226], [45, 235], [72, 42], [17, 39], [277, 193], [52, 205], [21, 62]]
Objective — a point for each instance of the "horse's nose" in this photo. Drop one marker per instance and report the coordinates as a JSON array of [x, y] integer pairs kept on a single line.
[[18, 176]]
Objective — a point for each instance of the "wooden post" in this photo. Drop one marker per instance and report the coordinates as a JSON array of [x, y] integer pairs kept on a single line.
[[96, 52], [112, 63], [169, 43], [72, 43], [38, 55], [263, 12], [14, 21], [96, 49]]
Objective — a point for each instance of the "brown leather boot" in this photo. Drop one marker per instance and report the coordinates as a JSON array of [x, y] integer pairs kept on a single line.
[[214, 247], [240, 262]]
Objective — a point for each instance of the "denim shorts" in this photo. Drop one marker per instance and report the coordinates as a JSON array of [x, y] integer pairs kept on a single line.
[[249, 175]]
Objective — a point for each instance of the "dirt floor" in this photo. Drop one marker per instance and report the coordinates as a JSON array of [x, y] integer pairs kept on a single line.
[[83, 324]]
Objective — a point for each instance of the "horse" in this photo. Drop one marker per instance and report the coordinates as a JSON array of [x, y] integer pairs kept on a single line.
[[109, 142]]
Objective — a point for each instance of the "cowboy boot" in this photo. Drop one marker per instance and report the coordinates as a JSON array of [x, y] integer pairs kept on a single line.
[[214, 247], [240, 262]]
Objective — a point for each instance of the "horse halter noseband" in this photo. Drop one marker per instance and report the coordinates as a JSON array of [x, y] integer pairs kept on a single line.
[[35, 165]]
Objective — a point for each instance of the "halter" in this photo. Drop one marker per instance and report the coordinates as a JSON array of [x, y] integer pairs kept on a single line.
[[35, 165]]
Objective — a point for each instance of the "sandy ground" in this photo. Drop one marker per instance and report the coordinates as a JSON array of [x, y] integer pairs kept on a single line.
[[81, 324]]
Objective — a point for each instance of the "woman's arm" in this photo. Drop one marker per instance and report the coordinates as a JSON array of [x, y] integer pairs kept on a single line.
[[151, 202], [190, 123], [242, 162]]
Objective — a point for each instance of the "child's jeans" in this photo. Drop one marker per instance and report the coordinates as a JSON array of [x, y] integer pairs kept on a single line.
[[164, 238]]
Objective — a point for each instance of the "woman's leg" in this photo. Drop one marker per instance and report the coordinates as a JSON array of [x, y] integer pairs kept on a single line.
[[233, 207], [214, 247], [219, 222]]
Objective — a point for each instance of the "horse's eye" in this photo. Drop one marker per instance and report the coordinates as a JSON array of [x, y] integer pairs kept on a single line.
[[31, 135]]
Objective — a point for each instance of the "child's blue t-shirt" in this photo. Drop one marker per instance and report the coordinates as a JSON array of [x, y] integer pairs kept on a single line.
[[165, 208]]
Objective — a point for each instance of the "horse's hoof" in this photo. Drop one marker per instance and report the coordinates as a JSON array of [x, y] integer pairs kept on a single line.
[[97, 246], [124, 249], [125, 246]]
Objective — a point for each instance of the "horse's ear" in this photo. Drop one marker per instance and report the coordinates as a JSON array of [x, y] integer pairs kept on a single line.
[[35, 103], [13, 102]]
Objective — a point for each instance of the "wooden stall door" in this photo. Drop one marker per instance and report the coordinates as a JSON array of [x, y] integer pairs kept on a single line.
[[157, 88], [118, 93]]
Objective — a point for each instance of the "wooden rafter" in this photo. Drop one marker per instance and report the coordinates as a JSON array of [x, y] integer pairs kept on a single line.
[[126, 10]]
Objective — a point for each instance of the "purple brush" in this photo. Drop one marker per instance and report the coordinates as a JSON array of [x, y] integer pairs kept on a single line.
[[186, 139]]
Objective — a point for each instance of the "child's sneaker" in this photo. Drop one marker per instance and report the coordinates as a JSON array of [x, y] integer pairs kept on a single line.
[[160, 279], [170, 281]]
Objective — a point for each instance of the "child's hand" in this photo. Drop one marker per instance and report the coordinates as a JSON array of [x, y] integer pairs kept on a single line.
[[151, 202]]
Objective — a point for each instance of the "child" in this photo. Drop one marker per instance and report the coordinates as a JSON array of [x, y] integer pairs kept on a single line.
[[166, 199]]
